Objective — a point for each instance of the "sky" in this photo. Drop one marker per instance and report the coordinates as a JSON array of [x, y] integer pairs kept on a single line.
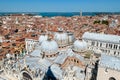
[[59, 5]]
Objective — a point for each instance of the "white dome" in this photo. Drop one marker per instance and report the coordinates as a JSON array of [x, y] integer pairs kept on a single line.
[[43, 38], [79, 45], [61, 38], [49, 46]]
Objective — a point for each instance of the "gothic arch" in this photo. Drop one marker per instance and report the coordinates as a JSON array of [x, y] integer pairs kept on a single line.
[[26, 75], [112, 78]]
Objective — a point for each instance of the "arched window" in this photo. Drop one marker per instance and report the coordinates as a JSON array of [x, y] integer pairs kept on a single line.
[[74, 60], [77, 61], [26, 76], [115, 53], [106, 70], [112, 78], [46, 55]]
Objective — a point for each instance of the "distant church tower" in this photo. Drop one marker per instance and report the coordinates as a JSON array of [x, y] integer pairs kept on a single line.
[[80, 12]]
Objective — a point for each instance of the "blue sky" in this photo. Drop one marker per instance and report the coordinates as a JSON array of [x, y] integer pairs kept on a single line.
[[59, 5]]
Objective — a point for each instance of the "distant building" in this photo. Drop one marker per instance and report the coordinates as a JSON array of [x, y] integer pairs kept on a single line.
[[109, 68], [108, 44], [30, 30], [16, 21], [114, 23], [80, 12], [104, 18]]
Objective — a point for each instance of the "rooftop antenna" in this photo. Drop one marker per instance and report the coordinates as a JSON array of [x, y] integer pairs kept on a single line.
[[80, 12]]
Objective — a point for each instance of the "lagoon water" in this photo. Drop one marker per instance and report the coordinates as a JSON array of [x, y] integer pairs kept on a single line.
[[52, 14]]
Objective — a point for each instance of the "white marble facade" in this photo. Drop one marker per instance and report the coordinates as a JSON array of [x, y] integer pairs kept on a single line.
[[108, 44]]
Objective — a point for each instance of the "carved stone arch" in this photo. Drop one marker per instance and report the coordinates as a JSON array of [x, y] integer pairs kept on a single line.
[[26, 75], [112, 78]]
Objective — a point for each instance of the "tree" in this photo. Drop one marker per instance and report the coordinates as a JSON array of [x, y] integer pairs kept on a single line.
[[105, 22], [1, 23], [97, 21]]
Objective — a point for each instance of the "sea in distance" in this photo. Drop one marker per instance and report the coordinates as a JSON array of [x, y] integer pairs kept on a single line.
[[53, 14]]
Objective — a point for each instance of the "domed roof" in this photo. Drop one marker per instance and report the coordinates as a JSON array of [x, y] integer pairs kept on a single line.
[[79, 45], [60, 36], [49, 46], [42, 38]]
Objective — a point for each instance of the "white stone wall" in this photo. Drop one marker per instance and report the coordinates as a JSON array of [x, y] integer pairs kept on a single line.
[[88, 74], [104, 47], [105, 74]]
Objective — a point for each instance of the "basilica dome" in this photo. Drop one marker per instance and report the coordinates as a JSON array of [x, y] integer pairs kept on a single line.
[[79, 46], [49, 46], [61, 38], [43, 37]]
